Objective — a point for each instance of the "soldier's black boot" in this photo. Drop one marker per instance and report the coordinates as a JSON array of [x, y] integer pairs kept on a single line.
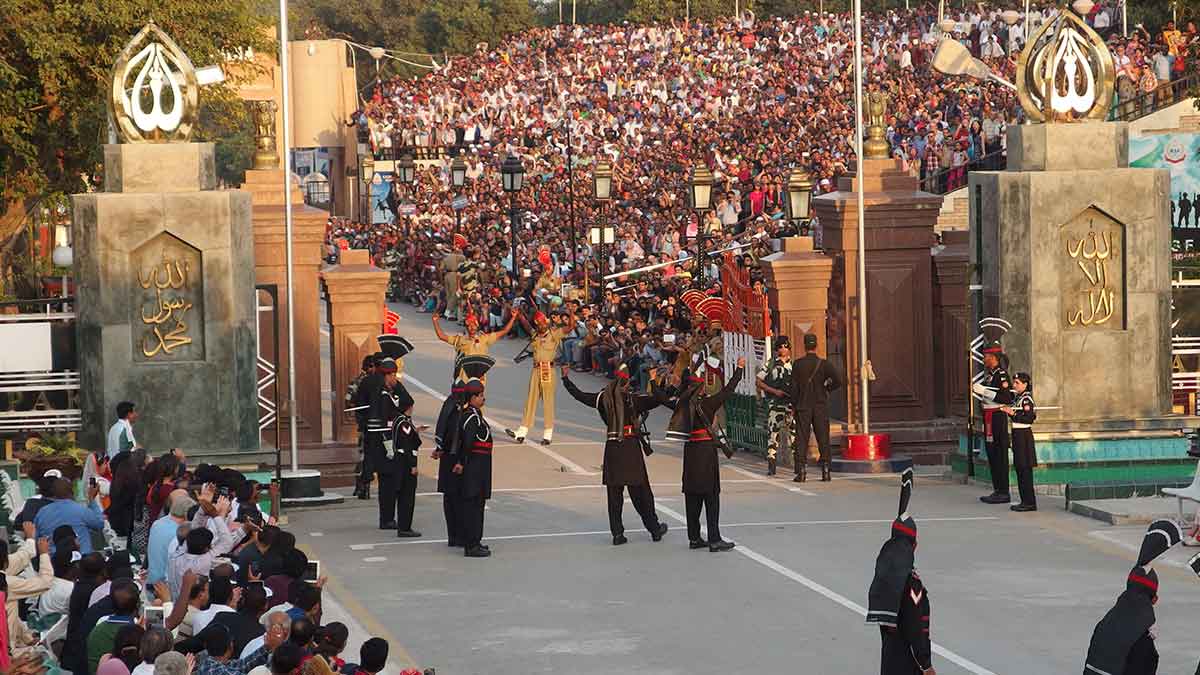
[[801, 473], [825, 477], [771, 467]]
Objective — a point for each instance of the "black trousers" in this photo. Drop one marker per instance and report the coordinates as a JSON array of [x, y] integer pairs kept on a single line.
[[711, 503], [471, 519], [451, 506], [812, 421], [1024, 459], [997, 452], [643, 501], [406, 499], [387, 498]]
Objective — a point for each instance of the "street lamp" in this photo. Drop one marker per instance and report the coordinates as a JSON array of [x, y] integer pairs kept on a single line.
[[367, 171], [458, 176], [799, 201], [602, 190], [512, 178], [406, 170], [700, 185]]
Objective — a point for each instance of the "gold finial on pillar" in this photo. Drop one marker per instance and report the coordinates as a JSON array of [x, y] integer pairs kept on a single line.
[[265, 154], [876, 146]]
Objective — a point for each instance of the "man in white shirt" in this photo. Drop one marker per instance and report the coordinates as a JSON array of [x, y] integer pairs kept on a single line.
[[223, 596], [120, 434]]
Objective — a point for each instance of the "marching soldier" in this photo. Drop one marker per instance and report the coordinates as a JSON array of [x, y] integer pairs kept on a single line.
[[624, 464], [386, 395], [1023, 412], [356, 402], [400, 463], [446, 435], [473, 342], [898, 602], [544, 344], [473, 464], [995, 392], [774, 381], [694, 420], [448, 268], [812, 379], [1123, 642]]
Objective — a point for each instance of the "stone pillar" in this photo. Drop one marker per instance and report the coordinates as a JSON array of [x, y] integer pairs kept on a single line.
[[357, 299], [951, 324], [798, 290], [1076, 256], [899, 233], [308, 234], [164, 263]]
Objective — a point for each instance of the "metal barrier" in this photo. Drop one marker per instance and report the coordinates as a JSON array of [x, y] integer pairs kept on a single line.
[[45, 398]]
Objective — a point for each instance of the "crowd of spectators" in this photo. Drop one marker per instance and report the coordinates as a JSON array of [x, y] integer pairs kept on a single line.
[[750, 98], [166, 569]]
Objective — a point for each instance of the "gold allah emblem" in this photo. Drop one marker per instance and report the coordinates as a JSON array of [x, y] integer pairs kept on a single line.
[[154, 90], [1066, 73]]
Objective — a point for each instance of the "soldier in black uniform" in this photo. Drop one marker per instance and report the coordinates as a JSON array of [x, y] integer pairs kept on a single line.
[[473, 463], [401, 462], [1122, 643], [812, 379], [446, 439], [995, 392], [386, 395], [898, 602], [357, 402], [1023, 412], [624, 464], [693, 421]]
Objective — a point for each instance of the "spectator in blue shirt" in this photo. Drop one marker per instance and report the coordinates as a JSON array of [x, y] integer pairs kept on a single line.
[[163, 535], [64, 510]]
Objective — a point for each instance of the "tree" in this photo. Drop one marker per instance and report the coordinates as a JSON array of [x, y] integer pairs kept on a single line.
[[55, 66], [456, 26]]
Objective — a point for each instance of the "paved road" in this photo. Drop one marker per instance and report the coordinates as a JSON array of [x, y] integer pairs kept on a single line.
[[1010, 594]]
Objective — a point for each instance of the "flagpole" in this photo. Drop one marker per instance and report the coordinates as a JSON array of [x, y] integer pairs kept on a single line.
[[285, 77], [860, 197]]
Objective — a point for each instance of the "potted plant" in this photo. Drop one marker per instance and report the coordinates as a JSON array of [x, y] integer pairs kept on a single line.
[[52, 451]]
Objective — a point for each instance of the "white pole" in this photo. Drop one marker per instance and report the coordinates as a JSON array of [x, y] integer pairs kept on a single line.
[[687, 10], [1125, 18], [574, 3], [862, 242], [737, 9], [560, 12], [285, 76]]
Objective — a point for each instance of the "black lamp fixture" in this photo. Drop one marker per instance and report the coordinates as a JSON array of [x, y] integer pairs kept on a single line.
[[458, 172], [799, 201]]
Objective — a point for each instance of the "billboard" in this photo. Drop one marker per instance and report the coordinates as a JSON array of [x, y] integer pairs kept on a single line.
[[1179, 153]]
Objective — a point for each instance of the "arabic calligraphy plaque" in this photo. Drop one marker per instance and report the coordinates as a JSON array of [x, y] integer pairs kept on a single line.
[[167, 308], [1092, 272]]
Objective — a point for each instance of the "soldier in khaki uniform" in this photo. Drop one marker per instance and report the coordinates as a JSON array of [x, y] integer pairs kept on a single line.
[[449, 270], [775, 383], [472, 343], [542, 380]]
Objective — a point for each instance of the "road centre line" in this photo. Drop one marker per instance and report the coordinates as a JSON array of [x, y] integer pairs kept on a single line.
[[966, 664], [784, 523]]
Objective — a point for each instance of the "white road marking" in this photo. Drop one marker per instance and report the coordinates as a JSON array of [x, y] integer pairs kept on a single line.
[[375, 559], [782, 523], [590, 486], [966, 664], [571, 466], [769, 481], [316, 534]]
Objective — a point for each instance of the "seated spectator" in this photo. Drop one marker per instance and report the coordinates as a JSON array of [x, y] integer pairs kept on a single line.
[[91, 575], [126, 600], [171, 663], [197, 599], [331, 642], [200, 549], [155, 642], [223, 596], [64, 510], [24, 588], [285, 660], [302, 633], [217, 657], [57, 600], [277, 621], [373, 656], [39, 499], [127, 646]]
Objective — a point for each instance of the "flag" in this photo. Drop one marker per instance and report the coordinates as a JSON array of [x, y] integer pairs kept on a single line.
[[390, 319]]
